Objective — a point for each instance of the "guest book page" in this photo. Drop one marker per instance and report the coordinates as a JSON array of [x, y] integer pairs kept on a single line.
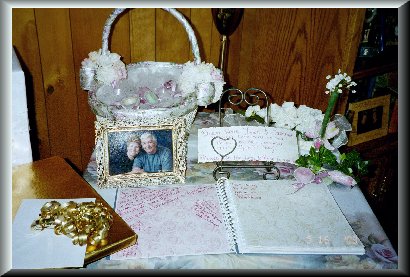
[[247, 143], [173, 221], [234, 216], [281, 220]]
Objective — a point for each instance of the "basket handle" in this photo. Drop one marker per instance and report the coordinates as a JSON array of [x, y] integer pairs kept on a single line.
[[174, 12]]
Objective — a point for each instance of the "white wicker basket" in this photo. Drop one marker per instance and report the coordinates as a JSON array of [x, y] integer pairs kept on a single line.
[[152, 96], [148, 74]]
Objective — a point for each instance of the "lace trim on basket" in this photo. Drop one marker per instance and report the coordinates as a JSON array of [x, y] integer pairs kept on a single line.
[[227, 213]]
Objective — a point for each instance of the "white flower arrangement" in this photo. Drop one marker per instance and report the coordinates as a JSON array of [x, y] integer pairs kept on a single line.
[[284, 116], [203, 78], [335, 87], [319, 137], [307, 122], [302, 118], [255, 110], [307, 117], [105, 69]]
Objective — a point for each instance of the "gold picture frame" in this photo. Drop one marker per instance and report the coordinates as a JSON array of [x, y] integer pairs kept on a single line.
[[114, 168], [370, 119]]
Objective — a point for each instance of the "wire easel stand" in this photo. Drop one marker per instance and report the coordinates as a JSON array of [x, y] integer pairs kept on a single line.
[[241, 100]]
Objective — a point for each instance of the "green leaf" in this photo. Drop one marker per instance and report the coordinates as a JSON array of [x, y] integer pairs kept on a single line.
[[350, 163], [256, 118], [242, 112]]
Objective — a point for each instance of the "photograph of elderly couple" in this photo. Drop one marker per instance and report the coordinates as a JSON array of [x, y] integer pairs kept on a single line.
[[140, 151]]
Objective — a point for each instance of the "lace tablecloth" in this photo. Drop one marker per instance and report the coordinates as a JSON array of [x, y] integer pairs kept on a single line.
[[379, 251]]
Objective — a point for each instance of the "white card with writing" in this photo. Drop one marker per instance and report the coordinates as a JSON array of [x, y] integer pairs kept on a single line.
[[247, 143]]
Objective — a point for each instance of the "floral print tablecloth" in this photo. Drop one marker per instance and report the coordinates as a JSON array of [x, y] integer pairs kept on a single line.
[[379, 251]]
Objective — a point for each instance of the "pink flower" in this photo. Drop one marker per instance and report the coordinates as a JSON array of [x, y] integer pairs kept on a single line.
[[383, 253], [285, 169], [317, 143], [319, 177], [341, 178], [304, 175]]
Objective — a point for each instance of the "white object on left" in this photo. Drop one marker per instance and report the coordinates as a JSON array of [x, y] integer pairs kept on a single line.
[[42, 249], [20, 137]]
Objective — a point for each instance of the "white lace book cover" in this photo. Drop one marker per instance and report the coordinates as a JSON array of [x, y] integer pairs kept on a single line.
[[173, 220], [268, 217]]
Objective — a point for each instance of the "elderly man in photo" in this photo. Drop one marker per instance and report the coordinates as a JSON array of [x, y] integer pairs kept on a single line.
[[156, 158]]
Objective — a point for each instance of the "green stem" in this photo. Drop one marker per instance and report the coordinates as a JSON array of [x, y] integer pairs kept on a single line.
[[334, 95]]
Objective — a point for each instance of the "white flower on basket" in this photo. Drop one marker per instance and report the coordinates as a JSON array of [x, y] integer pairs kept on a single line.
[[205, 79], [109, 75], [105, 69]]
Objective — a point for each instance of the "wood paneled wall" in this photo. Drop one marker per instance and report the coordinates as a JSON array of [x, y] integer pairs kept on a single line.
[[285, 52]]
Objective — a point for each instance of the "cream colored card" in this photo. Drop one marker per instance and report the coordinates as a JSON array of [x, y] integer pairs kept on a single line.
[[247, 143]]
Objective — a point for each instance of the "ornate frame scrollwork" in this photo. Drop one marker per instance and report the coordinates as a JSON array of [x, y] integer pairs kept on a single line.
[[110, 134]]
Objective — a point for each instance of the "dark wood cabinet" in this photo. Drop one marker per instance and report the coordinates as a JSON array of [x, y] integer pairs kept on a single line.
[[380, 186]]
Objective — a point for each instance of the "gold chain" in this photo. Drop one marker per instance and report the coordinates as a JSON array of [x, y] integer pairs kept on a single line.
[[85, 223]]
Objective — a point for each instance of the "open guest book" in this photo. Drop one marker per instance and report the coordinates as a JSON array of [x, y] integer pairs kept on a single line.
[[234, 217]]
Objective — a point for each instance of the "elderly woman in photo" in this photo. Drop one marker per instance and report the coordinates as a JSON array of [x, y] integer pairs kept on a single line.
[[133, 147], [155, 158]]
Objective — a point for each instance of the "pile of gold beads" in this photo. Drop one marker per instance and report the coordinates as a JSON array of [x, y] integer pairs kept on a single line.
[[85, 223]]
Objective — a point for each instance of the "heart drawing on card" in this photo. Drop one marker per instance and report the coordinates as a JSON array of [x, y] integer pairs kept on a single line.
[[223, 146]]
